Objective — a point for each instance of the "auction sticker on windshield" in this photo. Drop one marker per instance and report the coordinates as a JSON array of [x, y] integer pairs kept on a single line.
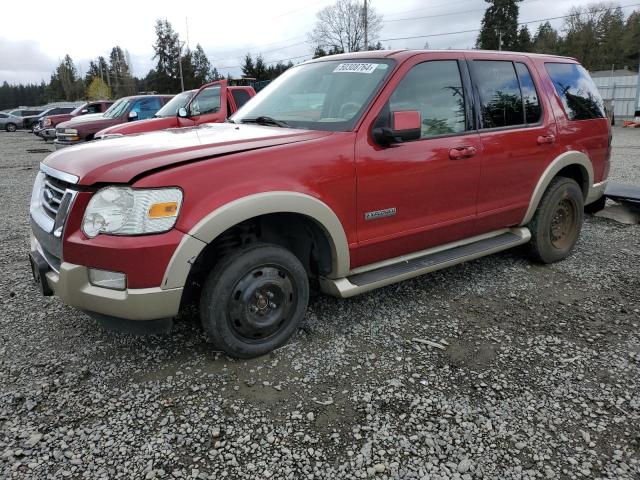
[[356, 67]]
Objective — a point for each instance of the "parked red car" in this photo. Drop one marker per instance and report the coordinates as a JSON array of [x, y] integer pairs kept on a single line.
[[348, 173], [46, 127], [190, 108], [127, 109]]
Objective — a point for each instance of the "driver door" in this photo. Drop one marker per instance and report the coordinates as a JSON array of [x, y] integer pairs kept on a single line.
[[208, 105], [419, 194]]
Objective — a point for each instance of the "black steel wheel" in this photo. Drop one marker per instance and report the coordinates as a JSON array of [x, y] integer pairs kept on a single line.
[[555, 227], [254, 300]]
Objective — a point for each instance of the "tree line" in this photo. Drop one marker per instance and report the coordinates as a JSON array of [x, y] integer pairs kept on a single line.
[[598, 35]]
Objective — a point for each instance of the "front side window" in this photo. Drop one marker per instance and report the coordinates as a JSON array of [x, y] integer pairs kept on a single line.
[[93, 108], [207, 101], [500, 96], [435, 90], [146, 107], [329, 95], [576, 89], [2, 115]]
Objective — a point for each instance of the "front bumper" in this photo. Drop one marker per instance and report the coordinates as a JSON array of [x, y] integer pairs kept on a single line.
[[48, 133], [60, 144], [71, 283]]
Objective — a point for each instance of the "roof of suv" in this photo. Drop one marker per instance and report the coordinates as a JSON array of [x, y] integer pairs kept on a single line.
[[405, 53]]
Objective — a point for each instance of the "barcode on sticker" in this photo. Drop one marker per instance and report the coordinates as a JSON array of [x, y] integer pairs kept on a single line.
[[356, 67]]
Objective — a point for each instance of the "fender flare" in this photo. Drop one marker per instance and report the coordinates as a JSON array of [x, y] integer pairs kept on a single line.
[[561, 161], [241, 209]]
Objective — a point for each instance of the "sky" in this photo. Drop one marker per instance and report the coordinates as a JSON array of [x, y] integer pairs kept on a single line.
[[35, 35]]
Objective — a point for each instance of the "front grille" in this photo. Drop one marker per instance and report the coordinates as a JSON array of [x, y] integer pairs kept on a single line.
[[52, 193]]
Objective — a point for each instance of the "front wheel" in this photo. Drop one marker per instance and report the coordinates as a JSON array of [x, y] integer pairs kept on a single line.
[[254, 300], [556, 225], [11, 127]]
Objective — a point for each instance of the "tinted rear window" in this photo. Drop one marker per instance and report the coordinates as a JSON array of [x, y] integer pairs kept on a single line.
[[578, 93]]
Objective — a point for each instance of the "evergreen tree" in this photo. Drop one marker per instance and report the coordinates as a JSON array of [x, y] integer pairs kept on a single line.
[[167, 51], [248, 69], [260, 69], [500, 23], [524, 44], [546, 40], [201, 67], [188, 71], [214, 75]]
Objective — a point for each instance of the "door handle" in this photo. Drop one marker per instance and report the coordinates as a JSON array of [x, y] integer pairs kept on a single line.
[[459, 153], [546, 139]]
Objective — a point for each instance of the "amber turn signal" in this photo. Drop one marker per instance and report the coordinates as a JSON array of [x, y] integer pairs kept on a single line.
[[163, 210]]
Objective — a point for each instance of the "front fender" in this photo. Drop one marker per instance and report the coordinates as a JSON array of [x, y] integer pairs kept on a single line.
[[232, 213]]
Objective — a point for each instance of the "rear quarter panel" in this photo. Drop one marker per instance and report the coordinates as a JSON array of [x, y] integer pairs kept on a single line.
[[590, 137]]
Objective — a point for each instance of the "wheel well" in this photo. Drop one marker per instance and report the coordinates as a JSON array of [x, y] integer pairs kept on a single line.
[[579, 174], [300, 234]]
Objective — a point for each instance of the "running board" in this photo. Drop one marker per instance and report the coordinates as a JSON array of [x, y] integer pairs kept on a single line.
[[380, 274]]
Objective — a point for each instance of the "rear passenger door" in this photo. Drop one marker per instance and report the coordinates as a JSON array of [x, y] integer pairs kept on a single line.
[[518, 136]]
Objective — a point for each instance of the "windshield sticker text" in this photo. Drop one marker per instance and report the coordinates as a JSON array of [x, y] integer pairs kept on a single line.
[[356, 68]]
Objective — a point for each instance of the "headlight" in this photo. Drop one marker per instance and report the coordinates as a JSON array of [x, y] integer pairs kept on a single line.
[[129, 211], [47, 122], [36, 194], [71, 131]]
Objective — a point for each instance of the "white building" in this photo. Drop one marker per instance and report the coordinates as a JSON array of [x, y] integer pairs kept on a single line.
[[619, 88]]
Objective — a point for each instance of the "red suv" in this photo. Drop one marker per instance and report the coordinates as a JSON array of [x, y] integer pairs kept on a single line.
[[347, 173], [211, 103]]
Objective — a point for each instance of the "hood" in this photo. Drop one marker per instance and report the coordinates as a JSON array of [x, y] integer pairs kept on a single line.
[[61, 117], [121, 159], [79, 120]]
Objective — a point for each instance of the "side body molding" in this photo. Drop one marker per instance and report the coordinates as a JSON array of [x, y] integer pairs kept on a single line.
[[561, 161], [225, 217]]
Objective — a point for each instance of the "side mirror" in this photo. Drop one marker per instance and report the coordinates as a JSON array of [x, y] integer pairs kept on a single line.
[[182, 112], [405, 127], [133, 116]]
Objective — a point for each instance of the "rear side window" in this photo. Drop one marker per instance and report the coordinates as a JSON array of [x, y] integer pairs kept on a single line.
[[578, 93], [240, 97], [532, 108], [435, 90], [500, 97]]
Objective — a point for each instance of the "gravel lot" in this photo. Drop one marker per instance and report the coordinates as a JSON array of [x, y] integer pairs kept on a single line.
[[538, 377]]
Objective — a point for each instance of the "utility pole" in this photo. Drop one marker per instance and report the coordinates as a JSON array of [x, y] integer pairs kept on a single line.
[[499, 39], [366, 27], [180, 66]]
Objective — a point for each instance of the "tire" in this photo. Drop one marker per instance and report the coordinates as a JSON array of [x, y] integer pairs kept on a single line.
[[557, 222], [596, 206], [254, 300], [10, 127]]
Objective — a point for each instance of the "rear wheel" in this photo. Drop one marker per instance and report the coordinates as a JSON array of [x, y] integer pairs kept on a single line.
[[557, 222], [254, 300], [10, 127]]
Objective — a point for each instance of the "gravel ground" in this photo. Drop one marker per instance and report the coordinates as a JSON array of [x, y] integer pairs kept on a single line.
[[537, 375]]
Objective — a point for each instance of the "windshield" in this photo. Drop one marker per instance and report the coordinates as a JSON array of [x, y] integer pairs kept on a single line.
[[327, 95], [118, 108], [175, 104]]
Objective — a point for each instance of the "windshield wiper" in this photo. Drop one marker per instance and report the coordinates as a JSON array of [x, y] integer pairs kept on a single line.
[[263, 120]]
